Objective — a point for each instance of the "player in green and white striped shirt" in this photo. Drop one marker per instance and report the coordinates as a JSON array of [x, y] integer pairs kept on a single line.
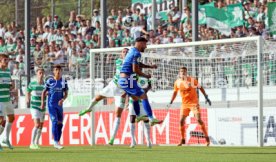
[[6, 108], [112, 90], [34, 91]]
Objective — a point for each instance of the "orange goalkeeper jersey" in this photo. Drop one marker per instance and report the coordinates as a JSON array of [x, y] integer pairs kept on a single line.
[[187, 89]]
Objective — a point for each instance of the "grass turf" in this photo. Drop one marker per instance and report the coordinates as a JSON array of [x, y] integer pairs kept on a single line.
[[140, 154]]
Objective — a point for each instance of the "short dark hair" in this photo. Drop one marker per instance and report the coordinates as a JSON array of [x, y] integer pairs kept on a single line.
[[183, 67], [141, 39], [57, 67]]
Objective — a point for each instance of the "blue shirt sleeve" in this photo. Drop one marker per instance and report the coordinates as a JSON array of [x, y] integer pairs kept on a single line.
[[136, 58]]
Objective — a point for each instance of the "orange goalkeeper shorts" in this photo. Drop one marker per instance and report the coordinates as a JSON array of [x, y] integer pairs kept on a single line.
[[186, 108]]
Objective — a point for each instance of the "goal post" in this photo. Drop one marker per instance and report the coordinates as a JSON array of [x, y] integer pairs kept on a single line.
[[230, 70]]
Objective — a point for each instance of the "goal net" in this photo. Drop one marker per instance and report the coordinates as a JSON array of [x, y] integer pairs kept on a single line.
[[230, 72]]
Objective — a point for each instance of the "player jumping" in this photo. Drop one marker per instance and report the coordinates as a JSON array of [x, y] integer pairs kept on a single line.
[[112, 90], [128, 81]]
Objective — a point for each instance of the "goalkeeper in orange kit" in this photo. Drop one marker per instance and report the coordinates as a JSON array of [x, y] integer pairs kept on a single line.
[[187, 87]]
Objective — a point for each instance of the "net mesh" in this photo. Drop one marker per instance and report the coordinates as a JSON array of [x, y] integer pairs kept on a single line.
[[229, 74]]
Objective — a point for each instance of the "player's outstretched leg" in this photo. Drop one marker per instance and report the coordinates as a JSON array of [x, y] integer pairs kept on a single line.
[[92, 104]]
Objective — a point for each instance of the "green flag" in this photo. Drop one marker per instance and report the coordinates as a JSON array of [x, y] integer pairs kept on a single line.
[[272, 17], [234, 13], [225, 18], [201, 12], [217, 19]]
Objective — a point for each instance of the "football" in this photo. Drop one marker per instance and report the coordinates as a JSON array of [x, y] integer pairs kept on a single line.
[[222, 141]]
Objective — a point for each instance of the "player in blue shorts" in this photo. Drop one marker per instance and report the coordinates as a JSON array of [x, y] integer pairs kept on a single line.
[[57, 89], [128, 82]]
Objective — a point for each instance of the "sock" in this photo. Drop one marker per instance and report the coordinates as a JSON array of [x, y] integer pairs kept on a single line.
[[34, 135], [59, 132], [92, 104], [136, 107], [182, 131], [38, 134], [147, 132], [7, 130], [55, 131], [116, 127], [147, 108], [1, 129], [132, 132]]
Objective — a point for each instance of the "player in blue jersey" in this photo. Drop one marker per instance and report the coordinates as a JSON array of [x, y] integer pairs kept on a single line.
[[57, 89], [128, 82]]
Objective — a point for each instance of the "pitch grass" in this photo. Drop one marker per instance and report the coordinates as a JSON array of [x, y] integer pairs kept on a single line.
[[140, 154]]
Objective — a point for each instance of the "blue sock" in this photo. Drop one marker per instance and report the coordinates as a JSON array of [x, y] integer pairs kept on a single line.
[[147, 107], [136, 107], [55, 131], [59, 131]]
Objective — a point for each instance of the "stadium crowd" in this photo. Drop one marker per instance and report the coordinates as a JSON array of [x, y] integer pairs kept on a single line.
[[68, 43]]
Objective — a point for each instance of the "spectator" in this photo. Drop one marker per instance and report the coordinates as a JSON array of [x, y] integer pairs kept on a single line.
[[57, 24], [96, 17], [2, 30], [48, 22], [113, 14]]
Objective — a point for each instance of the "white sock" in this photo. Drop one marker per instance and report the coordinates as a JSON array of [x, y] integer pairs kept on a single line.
[[55, 143], [7, 130], [34, 134], [38, 134], [132, 132], [147, 132], [116, 127], [92, 104], [1, 129]]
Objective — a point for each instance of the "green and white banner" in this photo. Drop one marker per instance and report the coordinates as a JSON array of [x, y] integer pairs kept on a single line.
[[163, 6], [224, 19], [234, 14], [202, 14], [272, 17]]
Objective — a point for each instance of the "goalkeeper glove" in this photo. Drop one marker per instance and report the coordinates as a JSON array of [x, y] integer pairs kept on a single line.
[[207, 100]]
